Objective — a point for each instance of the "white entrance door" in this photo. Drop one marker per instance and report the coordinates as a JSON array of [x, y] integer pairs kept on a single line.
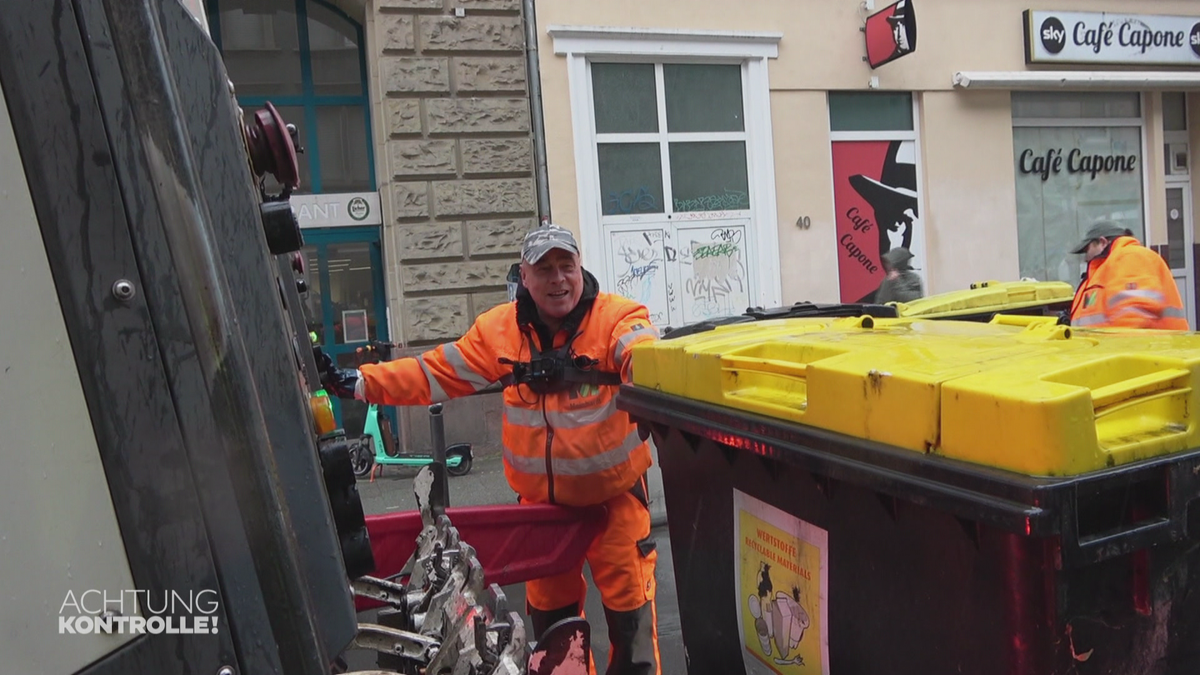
[[683, 272], [1179, 239]]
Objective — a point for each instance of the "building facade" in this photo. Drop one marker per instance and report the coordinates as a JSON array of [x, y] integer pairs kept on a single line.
[[416, 171], [711, 156]]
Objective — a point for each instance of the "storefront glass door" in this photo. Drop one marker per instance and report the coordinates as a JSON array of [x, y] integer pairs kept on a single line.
[[346, 306], [1179, 240]]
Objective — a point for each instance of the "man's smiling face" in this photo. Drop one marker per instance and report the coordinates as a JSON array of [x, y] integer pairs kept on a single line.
[[555, 282]]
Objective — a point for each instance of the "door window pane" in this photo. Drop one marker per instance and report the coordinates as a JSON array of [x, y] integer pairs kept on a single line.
[[354, 412], [261, 47], [703, 98], [1174, 111], [342, 137], [312, 300], [709, 176], [352, 292], [1175, 234], [1059, 197], [333, 44], [630, 178], [625, 98], [870, 111], [1075, 105]]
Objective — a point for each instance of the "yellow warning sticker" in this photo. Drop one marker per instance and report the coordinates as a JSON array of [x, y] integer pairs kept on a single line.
[[781, 568]]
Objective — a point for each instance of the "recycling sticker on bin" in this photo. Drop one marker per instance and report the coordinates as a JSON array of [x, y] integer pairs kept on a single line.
[[781, 567]]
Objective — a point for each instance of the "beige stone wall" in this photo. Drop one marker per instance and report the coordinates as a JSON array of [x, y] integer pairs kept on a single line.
[[457, 180], [455, 161]]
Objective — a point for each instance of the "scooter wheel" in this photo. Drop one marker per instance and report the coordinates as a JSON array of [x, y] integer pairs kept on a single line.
[[362, 457], [464, 466]]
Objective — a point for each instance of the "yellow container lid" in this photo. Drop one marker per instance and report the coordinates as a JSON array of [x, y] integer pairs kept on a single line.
[[989, 296], [1021, 393]]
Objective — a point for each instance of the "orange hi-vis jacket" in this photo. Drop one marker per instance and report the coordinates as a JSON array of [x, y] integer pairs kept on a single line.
[[1128, 287], [569, 447]]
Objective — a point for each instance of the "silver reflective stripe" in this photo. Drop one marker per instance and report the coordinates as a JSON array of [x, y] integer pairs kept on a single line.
[[632, 335], [1136, 311], [583, 466], [464, 372], [1137, 294], [435, 388], [523, 417], [1089, 320], [560, 419], [1174, 313]]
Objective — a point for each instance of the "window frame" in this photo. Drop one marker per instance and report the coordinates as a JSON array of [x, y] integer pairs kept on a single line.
[[584, 45], [310, 100], [885, 134], [1101, 122], [663, 138]]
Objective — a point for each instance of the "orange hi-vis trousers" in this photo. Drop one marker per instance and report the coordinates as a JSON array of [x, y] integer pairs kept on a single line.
[[622, 559]]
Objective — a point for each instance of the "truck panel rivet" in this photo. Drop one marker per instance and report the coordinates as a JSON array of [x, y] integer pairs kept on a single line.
[[123, 290]]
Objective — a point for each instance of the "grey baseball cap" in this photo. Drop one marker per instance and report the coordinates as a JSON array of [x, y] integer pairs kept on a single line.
[[541, 241], [1104, 228]]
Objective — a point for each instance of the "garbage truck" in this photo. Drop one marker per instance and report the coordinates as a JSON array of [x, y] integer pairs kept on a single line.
[[176, 495]]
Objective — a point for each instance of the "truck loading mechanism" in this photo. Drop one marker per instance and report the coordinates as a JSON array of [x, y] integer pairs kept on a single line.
[[164, 441]]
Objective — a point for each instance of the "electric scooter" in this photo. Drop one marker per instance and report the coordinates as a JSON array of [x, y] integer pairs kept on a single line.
[[378, 447]]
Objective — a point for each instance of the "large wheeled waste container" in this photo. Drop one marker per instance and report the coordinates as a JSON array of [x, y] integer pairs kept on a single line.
[[986, 299], [866, 495], [981, 302]]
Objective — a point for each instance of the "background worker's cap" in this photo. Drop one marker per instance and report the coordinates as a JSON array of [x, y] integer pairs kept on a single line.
[[1105, 228], [541, 241], [898, 258]]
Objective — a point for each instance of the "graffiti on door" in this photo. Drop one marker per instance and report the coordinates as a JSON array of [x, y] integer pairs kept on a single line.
[[639, 260], [682, 274], [714, 273]]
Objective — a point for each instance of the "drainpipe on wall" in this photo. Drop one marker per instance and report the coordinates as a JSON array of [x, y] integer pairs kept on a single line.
[[541, 173]]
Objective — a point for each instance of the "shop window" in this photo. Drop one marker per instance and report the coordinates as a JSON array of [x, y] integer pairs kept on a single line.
[[877, 200], [870, 111], [1075, 105], [307, 58], [1077, 159]]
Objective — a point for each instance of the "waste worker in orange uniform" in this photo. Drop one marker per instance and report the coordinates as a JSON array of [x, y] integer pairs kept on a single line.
[[1126, 284], [561, 349]]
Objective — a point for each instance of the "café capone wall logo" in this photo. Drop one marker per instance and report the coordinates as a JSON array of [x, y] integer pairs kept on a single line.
[[1053, 162], [139, 612]]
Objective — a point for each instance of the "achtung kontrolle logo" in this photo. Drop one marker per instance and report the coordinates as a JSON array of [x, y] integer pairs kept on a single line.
[[139, 612]]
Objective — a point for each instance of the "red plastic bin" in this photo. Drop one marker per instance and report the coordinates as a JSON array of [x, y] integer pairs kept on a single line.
[[514, 542]]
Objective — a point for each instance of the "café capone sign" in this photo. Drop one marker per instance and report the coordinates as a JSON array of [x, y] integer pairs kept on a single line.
[[1102, 37], [1052, 161]]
